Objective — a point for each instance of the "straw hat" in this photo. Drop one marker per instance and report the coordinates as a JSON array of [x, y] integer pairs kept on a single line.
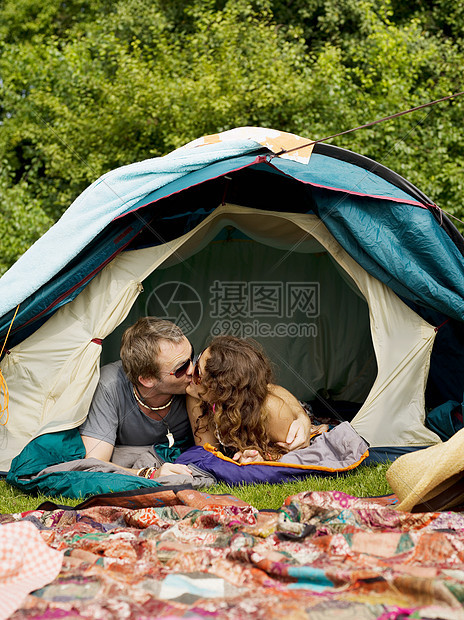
[[431, 479]]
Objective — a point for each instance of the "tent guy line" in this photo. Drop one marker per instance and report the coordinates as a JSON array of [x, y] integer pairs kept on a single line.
[[376, 164], [370, 124]]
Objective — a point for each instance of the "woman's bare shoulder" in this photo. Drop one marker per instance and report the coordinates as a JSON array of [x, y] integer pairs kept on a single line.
[[282, 408], [277, 393], [278, 413]]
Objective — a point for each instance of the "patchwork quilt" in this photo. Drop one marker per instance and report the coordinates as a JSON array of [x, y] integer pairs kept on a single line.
[[195, 555]]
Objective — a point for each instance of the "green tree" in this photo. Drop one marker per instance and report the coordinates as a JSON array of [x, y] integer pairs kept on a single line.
[[90, 85], [22, 220]]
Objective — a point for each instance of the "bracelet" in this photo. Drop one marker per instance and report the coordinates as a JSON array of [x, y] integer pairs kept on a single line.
[[146, 472]]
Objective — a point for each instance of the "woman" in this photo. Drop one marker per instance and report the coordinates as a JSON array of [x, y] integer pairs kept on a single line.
[[233, 404]]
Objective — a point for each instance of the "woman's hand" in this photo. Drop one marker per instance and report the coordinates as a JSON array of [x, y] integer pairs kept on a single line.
[[248, 456]]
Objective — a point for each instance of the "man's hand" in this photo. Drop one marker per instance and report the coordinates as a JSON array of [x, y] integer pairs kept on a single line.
[[298, 436], [168, 469], [248, 456]]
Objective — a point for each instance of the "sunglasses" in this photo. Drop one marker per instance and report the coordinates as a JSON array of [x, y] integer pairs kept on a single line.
[[180, 372], [196, 377]]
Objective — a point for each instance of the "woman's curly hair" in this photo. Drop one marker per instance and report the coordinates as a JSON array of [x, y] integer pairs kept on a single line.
[[234, 386]]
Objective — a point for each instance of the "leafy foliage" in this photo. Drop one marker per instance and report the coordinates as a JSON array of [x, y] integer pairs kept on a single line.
[[21, 221], [90, 85]]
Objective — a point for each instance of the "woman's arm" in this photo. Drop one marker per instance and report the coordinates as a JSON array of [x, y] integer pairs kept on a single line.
[[201, 432], [288, 423]]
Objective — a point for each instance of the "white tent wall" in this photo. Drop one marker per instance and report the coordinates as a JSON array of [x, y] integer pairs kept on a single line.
[[51, 376], [394, 412], [288, 299]]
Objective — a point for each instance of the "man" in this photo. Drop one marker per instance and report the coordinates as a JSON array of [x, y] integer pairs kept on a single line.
[[140, 400]]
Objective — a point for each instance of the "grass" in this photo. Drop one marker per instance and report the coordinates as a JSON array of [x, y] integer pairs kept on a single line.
[[365, 481]]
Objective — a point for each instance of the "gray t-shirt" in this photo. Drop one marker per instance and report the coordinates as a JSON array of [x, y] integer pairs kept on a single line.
[[115, 417]]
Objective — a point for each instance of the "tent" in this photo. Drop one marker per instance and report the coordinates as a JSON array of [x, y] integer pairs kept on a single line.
[[352, 279]]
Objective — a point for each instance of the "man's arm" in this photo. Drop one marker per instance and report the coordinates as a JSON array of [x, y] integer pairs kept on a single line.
[[97, 449], [102, 450]]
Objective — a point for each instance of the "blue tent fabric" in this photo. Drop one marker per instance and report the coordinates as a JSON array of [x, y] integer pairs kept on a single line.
[[446, 374], [386, 229], [446, 419], [386, 454], [402, 246], [330, 173], [111, 196]]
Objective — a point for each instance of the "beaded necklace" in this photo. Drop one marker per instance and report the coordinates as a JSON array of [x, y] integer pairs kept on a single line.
[[139, 399]]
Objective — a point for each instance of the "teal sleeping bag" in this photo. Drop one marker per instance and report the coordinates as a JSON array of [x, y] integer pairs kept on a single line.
[[446, 419], [54, 448]]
